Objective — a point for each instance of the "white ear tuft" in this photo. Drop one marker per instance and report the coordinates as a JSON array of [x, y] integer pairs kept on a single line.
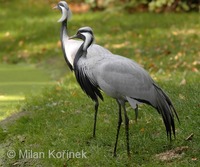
[[66, 14]]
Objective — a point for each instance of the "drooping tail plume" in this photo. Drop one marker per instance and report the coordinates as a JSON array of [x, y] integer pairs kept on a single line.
[[167, 111]]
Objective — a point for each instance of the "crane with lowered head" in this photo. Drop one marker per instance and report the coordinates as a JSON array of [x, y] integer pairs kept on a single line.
[[122, 79]]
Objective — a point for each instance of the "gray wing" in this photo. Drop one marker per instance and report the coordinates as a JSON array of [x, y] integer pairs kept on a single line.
[[121, 77]]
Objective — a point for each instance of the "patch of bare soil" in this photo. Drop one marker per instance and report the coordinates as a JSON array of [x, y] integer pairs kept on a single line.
[[7, 145], [12, 119], [172, 154]]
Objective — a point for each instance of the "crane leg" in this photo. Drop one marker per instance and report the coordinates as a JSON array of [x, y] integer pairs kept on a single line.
[[95, 118], [118, 128], [136, 113], [126, 129]]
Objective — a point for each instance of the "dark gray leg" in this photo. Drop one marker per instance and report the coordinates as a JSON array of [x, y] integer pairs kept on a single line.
[[118, 128], [136, 113], [126, 129], [95, 118]]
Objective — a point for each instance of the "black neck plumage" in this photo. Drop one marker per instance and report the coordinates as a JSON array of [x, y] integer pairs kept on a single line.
[[87, 86], [80, 53]]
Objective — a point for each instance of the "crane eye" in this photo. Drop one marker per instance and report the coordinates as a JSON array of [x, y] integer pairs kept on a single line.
[[61, 4]]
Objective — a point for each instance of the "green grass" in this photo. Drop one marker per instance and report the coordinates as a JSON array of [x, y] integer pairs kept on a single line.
[[18, 81], [61, 117], [63, 121]]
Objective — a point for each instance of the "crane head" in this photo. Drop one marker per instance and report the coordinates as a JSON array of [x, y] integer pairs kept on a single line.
[[64, 8], [86, 34]]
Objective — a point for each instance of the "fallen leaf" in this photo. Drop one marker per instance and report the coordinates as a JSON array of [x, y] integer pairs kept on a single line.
[[21, 138], [183, 82], [131, 121], [121, 45], [179, 55], [195, 69], [59, 44], [62, 111], [175, 33], [194, 159], [182, 97], [196, 63], [43, 49], [21, 43], [7, 34]]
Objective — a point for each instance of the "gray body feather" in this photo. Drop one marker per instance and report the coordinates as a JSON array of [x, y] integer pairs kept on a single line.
[[120, 78]]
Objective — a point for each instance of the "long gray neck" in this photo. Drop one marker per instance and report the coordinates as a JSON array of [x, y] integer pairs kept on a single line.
[[63, 38]]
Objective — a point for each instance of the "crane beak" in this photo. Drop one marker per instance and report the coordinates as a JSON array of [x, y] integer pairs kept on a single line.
[[74, 36], [55, 7]]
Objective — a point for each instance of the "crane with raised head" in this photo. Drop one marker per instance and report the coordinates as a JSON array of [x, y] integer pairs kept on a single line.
[[122, 79], [70, 47]]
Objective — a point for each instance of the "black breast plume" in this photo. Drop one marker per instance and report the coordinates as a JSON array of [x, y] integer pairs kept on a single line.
[[87, 86]]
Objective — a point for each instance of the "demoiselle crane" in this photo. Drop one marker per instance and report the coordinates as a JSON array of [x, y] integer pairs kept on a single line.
[[122, 79], [70, 47]]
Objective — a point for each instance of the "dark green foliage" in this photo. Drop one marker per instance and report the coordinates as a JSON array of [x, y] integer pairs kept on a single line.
[[147, 5]]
